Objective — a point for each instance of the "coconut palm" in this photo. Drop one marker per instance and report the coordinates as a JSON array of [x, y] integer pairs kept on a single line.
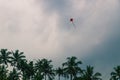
[[14, 75], [44, 67], [17, 57], [22, 66], [59, 72], [115, 75], [38, 76], [71, 67], [3, 73], [38, 70], [89, 74], [29, 70], [5, 57]]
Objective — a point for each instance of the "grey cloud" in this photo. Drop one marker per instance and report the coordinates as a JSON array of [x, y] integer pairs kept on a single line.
[[60, 6], [43, 29]]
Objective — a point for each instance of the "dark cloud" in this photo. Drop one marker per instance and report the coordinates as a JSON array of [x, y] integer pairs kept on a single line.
[[105, 56], [60, 6]]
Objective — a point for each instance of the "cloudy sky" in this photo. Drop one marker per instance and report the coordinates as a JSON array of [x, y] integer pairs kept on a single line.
[[41, 29]]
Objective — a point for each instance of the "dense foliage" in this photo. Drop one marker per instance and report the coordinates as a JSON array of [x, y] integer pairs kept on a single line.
[[15, 66]]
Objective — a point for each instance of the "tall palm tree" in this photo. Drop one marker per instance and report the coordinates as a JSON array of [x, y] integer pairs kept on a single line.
[[38, 76], [0, 60], [22, 66], [3, 73], [17, 57], [89, 74], [5, 56], [45, 68], [115, 75], [59, 72], [29, 70], [38, 70], [71, 67], [14, 75]]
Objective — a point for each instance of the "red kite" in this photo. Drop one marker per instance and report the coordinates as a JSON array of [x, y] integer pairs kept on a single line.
[[72, 21]]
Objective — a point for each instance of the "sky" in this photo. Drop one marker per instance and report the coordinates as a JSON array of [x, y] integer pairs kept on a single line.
[[41, 29]]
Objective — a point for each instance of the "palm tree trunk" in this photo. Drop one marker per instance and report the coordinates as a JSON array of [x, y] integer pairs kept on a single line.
[[45, 76], [71, 77], [59, 77]]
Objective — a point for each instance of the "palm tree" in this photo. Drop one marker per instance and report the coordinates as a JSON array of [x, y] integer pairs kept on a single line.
[[3, 73], [17, 57], [0, 60], [22, 66], [45, 68], [89, 74], [71, 67], [29, 70], [38, 70], [5, 56], [14, 75], [65, 75], [38, 76], [59, 72], [115, 75]]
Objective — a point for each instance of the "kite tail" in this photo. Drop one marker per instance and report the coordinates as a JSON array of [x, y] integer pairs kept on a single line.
[[74, 25]]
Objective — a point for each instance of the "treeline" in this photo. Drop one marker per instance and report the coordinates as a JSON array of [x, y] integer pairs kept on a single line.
[[15, 66]]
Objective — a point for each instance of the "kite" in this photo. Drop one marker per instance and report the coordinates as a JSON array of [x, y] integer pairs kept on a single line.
[[71, 20]]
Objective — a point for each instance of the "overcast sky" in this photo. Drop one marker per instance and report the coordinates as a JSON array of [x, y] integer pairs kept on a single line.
[[41, 29]]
